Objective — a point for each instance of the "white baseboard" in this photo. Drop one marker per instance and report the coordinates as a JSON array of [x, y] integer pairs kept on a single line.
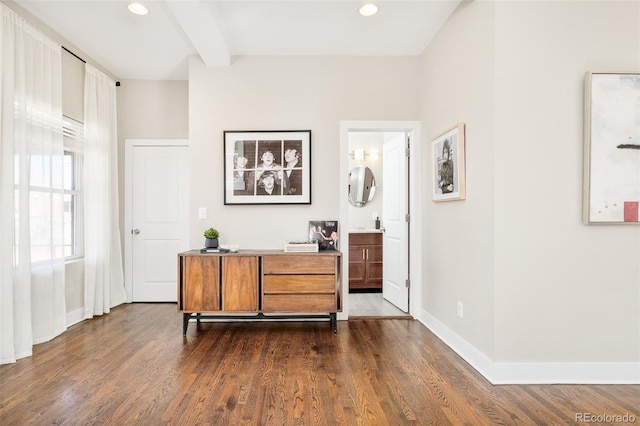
[[75, 317], [534, 373], [592, 373], [468, 352]]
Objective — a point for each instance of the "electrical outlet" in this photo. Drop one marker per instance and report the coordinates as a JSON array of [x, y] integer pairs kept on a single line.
[[460, 309], [202, 213]]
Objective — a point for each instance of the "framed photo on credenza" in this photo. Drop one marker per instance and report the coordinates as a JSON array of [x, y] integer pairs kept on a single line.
[[325, 232]]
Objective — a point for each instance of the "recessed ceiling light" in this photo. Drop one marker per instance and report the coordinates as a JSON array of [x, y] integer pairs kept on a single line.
[[368, 9], [138, 8]]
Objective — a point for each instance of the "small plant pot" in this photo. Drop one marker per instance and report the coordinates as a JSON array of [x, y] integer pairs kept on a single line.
[[211, 242]]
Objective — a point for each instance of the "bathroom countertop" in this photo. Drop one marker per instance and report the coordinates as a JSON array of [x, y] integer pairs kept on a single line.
[[360, 231]]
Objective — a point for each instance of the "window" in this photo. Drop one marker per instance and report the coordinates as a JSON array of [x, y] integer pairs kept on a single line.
[[45, 198], [54, 187], [73, 132]]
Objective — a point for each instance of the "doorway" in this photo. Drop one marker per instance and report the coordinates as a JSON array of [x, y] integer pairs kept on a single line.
[[371, 302], [156, 217]]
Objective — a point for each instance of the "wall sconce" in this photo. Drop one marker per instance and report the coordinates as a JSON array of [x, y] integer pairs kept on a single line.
[[359, 154]]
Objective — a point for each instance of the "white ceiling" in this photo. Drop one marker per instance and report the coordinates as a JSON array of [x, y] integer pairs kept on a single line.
[[156, 46]]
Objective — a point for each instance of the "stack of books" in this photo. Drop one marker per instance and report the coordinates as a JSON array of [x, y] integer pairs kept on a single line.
[[300, 246], [214, 250]]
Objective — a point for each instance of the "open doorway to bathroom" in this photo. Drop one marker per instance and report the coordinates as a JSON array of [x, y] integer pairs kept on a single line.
[[377, 222], [414, 200]]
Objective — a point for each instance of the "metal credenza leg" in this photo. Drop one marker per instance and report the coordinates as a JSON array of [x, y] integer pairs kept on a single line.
[[185, 323]]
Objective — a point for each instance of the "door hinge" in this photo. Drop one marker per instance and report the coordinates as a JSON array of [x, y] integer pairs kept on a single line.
[[407, 218], [407, 283]]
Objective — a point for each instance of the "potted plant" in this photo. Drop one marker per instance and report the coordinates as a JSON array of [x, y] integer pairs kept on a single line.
[[211, 238]]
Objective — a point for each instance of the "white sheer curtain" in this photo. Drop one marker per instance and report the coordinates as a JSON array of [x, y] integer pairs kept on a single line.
[[32, 296], [104, 277]]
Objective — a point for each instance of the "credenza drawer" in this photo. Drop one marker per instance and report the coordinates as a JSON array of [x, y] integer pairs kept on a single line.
[[299, 284], [296, 264], [298, 303]]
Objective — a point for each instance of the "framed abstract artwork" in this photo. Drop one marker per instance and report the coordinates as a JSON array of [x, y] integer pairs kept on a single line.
[[449, 165], [267, 167], [611, 186]]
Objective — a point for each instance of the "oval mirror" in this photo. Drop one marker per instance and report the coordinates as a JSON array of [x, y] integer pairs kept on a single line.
[[362, 186]]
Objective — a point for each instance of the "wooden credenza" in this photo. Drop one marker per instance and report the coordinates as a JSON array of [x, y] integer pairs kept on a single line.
[[260, 284], [365, 261]]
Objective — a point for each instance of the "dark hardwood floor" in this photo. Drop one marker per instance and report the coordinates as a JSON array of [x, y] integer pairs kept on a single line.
[[133, 366]]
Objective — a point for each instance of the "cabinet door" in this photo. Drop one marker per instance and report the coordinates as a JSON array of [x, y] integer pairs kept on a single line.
[[365, 260], [374, 267], [240, 283], [357, 266], [201, 283]]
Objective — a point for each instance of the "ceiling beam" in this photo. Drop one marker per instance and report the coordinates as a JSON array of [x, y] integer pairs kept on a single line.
[[199, 24]]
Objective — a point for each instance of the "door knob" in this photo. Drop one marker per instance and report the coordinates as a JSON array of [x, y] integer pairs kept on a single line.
[[135, 231]]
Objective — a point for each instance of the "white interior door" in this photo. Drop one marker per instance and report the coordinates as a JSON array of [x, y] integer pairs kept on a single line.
[[394, 210], [158, 212]]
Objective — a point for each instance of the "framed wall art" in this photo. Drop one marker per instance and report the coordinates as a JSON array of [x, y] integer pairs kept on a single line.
[[267, 167], [449, 165], [611, 187]]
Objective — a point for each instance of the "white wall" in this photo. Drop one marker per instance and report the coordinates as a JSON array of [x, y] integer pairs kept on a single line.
[[74, 291], [564, 291], [280, 93], [458, 86], [541, 291]]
